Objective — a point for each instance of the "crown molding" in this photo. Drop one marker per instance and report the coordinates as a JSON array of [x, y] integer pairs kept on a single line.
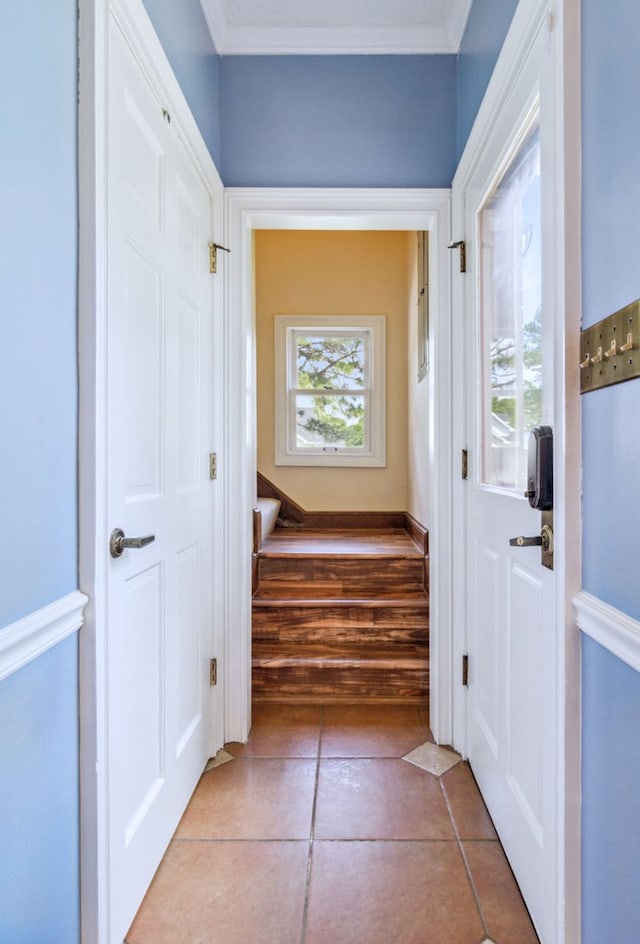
[[434, 39]]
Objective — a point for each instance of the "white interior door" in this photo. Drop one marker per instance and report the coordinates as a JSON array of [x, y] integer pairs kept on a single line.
[[510, 597], [158, 416]]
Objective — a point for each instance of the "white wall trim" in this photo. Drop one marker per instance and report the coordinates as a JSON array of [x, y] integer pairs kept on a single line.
[[617, 632], [26, 639], [434, 38], [249, 209]]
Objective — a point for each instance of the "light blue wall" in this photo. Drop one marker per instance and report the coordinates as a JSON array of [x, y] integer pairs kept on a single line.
[[338, 121], [611, 810], [39, 840], [611, 279], [39, 884], [38, 223], [486, 28], [183, 32]]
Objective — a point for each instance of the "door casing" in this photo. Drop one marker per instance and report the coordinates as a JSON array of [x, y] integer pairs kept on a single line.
[[563, 30], [249, 209]]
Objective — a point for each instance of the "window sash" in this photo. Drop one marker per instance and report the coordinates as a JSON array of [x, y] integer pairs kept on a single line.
[[370, 387]]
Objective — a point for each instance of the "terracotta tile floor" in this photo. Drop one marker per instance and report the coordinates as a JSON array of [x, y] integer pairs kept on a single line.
[[319, 833]]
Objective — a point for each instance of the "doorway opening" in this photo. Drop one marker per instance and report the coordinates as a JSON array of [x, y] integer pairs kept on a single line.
[[381, 212]]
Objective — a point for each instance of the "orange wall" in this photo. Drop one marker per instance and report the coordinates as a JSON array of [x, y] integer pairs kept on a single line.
[[335, 273]]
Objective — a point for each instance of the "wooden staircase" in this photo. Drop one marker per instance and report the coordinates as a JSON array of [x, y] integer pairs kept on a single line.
[[341, 615]]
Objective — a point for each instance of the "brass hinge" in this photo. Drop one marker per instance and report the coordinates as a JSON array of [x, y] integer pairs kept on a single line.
[[213, 672], [465, 670], [213, 465], [213, 256], [462, 246], [464, 464]]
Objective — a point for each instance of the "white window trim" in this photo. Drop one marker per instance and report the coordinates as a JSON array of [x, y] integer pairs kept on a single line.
[[372, 455]]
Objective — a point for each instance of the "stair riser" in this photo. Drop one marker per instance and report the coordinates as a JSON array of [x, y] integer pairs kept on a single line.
[[364, 625], [332, 681], [362, 577]]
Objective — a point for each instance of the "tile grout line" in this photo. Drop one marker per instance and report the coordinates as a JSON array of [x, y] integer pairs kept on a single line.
[[307, 887], [472, 884]]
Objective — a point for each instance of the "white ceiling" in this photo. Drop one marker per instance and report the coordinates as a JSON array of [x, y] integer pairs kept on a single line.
[[325, 27]]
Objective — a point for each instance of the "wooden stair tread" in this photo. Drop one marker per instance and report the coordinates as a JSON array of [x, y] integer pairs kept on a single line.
[[275, 598], [310, 654], [352, 544]]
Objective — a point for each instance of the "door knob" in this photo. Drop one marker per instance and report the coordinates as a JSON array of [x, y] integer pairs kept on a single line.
[[118, 542]]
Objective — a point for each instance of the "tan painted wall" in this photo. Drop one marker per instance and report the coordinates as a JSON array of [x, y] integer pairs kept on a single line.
[[335, 273]]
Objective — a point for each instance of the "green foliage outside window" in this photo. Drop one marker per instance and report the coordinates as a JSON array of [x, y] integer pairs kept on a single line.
[[326, 364]]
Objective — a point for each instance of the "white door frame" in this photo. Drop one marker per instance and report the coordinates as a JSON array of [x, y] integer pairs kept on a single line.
[[563, 25], [93, 533], [250, 209]]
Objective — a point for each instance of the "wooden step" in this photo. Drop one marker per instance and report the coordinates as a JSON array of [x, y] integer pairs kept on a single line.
[[370, 622], [391, 542], [341, 616], [320, 673], [340, 576]]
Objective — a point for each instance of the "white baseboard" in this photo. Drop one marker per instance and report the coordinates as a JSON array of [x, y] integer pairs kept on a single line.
[[26, 639], [617, 632]]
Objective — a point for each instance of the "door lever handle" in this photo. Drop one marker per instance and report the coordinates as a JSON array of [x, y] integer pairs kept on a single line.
[[544, 540], [522, 541], [118, 542]]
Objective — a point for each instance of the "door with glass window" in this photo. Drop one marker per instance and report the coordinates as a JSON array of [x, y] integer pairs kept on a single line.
[[510, 595]]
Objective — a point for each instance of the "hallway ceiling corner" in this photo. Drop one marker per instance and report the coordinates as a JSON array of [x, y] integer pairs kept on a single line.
[[306, 27]]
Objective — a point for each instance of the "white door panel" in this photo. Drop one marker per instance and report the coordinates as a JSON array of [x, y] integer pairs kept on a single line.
[[159, 351]]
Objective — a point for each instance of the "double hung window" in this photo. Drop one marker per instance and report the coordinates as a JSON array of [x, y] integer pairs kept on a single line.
[[330, 382]]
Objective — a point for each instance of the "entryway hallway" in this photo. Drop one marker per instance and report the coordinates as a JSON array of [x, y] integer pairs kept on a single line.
[[318, 832]]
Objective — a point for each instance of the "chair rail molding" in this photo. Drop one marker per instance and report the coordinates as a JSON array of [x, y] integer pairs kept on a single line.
[[29, 637], [614, 630]]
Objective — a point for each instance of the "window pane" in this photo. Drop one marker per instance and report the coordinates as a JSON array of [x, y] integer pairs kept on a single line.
[[330, 362], [511, 317], [324, 421]]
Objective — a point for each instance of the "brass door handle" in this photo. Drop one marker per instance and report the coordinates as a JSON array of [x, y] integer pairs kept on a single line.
[[521, 541], [118, 542], [544, 540]]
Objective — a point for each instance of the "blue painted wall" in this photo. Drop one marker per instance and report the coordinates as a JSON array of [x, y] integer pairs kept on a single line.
[[611, 279], [611, 811], [185, 37], [338, 121], [39, 827], [484, 35], [39, 865], [38, 214]]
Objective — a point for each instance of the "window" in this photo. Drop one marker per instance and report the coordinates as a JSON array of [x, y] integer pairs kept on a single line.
[[511, 314], [330, 390]]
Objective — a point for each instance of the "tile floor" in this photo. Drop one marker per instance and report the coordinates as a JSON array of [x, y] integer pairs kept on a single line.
[[318, 832]]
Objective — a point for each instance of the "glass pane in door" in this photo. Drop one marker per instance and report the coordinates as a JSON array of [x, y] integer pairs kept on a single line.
[[511, 316]]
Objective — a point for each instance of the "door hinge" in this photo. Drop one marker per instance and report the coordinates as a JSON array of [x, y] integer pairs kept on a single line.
[[213, 256], [462, 246], [464, 464], [213, 465], [213, 672], [465, 670]]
